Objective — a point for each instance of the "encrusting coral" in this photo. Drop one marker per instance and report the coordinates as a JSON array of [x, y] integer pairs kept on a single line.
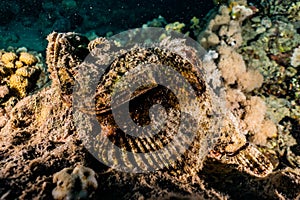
[[27, 58], [176, 26]]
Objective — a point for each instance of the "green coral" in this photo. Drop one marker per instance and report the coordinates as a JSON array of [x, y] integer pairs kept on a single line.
[[294, 11], [176, 26]]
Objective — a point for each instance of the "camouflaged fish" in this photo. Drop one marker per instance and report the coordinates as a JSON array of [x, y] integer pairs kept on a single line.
[[224, 144]]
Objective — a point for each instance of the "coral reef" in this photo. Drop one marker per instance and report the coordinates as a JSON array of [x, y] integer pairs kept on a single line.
[[21, 72], [255, 155], [269, 43], [38, 116], [224, 34]]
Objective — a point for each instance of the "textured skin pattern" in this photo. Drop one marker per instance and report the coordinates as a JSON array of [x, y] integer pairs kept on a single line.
[[231, 147], [141, 100]]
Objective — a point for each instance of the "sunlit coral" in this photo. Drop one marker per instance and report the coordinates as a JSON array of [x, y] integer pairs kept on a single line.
[[8, 57], [176, 26], [19, 84], [27, 58]]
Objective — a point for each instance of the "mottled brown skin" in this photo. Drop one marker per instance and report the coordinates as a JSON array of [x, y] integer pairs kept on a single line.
[[65, 51], [231, 147]]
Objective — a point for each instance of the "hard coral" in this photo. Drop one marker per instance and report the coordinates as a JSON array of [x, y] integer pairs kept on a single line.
[[8, 57], [27, 58], [19, 84], [20, 73], [18, 77], [76, 184]]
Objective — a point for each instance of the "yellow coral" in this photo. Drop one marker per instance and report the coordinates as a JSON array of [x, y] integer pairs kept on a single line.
[[8, 57], [27, 58], [10, 65], [25, 71], [19, 83], [231, 5], [18, 64]]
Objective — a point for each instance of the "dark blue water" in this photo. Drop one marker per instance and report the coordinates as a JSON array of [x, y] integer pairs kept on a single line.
[[28, 22]]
